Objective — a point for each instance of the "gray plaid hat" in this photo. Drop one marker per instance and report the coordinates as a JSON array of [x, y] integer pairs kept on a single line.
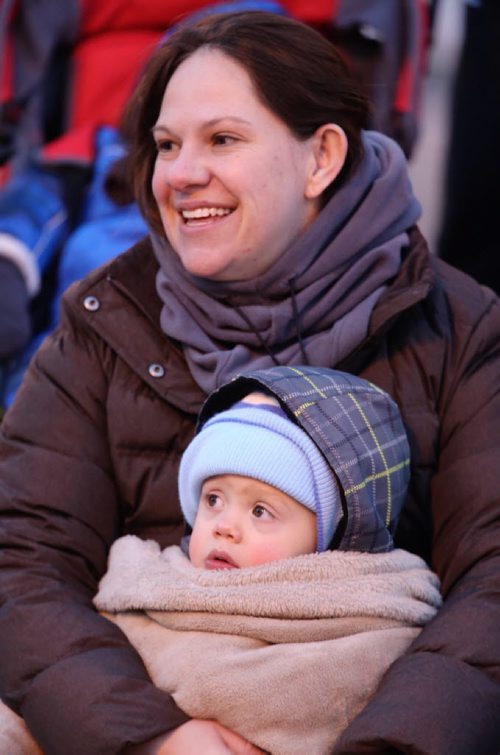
[[359, 430]]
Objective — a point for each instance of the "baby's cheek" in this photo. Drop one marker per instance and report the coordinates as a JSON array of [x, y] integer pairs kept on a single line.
[[263, 553], [196, 547]]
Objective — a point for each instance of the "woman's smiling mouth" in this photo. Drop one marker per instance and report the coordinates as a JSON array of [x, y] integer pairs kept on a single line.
[[202, 213]]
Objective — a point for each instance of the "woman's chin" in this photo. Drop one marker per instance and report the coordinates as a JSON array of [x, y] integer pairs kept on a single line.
[[202, 270], [203, 264]]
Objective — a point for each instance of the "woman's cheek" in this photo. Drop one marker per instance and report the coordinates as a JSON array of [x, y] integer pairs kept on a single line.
[[155, 183]]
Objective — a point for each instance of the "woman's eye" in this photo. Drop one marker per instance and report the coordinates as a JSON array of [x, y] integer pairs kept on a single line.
[[165, 145], [223, 139], [212, 499]]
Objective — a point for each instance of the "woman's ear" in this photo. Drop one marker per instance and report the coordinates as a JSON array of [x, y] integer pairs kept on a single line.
[[329, 150]]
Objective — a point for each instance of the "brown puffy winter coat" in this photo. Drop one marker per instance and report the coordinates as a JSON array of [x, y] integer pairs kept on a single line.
[[90, 450]]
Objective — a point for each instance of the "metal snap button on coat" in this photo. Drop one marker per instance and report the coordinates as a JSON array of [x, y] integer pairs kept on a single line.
[[91, 303], [156, 370]]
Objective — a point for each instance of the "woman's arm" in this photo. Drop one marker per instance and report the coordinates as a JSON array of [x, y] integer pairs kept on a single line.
[[444, 695], [69, 672]]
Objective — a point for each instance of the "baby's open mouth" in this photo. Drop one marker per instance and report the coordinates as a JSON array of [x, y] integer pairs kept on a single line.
[[219, 560]]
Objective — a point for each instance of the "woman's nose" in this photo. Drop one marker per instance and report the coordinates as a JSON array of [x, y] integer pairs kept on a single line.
[[187, 169]]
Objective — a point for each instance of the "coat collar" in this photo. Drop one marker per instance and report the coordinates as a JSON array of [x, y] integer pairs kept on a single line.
[[127, 319], [128, 283], [414, 282]]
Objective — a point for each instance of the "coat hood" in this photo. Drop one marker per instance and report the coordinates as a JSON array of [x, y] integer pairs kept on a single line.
[[358, 429]]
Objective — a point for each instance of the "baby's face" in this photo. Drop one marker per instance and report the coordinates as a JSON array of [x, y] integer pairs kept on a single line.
[[244, 522]]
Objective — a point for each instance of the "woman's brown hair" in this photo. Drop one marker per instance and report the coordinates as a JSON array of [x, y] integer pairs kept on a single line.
[[297, 73]]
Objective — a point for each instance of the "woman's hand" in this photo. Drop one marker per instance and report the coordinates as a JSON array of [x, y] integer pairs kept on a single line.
[[197, 736]]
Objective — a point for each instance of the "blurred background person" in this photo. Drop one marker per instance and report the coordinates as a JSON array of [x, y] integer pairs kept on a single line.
[[471, 199]]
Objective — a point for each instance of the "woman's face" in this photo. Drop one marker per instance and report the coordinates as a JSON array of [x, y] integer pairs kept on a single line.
[[230, 178]]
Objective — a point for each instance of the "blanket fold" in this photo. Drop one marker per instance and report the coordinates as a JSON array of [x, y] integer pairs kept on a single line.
[[285, 653]]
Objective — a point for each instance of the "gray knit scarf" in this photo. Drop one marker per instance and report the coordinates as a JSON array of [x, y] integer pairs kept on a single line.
[[314, 304]]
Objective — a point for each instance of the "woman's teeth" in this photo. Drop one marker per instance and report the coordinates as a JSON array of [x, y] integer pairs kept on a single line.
[[205, 212]]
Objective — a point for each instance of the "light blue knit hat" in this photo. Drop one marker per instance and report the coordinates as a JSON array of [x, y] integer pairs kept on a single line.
[[259, 441]]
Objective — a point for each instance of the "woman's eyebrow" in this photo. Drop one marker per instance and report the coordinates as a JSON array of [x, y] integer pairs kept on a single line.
[[206, 124], [159, 127], [225, 118]]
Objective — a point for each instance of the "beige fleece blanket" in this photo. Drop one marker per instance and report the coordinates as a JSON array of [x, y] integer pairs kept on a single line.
[[285, 653]]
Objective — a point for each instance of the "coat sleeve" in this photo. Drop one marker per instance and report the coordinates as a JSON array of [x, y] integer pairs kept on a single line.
[[69, 672], [15, 327], [443, 696]]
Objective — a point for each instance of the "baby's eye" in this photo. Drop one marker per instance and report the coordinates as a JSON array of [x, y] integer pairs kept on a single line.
[[212, 499], [260, 512]]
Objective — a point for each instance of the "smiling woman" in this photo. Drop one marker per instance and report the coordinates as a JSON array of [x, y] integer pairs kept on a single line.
[[223, 170], [281, 233], [257, 70]]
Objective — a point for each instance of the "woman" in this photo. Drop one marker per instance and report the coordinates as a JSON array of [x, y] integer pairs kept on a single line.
[[280, 233]]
